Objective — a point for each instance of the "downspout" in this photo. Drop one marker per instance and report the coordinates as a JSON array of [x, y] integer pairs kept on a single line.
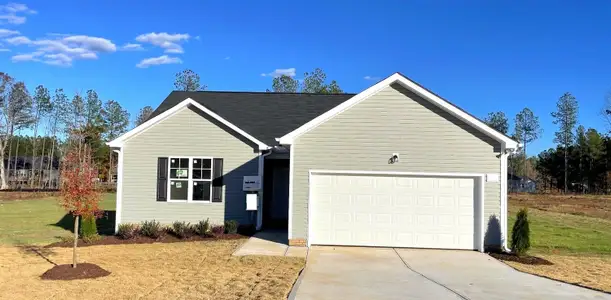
[[504, 196], [261, 173]]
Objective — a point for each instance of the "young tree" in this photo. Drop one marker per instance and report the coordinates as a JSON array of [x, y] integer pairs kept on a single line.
[[314, 82], [79, 196], [15, 113], [117, 120], [498, 121], [143, 115], [93, 109], [187, 80], [566, 119], [285, 84], [41, 106], [527, 129]]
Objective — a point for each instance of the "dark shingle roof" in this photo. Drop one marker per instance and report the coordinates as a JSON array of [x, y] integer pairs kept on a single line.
[[264, 115]]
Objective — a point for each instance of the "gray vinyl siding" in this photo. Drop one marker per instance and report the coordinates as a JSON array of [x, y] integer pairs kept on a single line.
[[186, 133], [395, 120]]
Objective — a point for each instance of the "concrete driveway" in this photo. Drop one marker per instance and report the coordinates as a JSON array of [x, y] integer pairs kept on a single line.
[[384, 273]]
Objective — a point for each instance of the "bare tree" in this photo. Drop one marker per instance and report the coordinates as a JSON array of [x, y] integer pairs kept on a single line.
[[41, 106], [143, 115]]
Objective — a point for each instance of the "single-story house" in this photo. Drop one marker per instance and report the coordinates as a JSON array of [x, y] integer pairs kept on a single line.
[[394, 165], [521, 184]]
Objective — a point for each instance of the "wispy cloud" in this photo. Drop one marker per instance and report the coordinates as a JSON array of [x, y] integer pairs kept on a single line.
[[13, 13], [171, 43], [227, 57], [161, 60], [7, 32], [5, 50], [62, 50], [279, 72], [132, 47], [372, 78]]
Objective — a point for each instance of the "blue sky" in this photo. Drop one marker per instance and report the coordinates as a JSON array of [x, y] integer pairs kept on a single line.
[[481, 55]]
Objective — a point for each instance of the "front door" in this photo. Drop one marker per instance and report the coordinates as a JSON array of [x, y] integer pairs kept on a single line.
[[276, 206]]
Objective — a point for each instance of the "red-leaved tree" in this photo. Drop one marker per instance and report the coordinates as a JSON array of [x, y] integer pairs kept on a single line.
[[79, 195]]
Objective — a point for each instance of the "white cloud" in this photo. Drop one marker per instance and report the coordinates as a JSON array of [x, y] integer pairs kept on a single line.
[[5, 50], [169, 42], [131, 47], [279, 72], [62, 50], [372, 78], [18, 40], [161, 60], [9, 13], [7, 32]]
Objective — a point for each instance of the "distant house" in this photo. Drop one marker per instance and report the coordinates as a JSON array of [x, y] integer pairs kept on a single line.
[[521, 184], [19, 170]]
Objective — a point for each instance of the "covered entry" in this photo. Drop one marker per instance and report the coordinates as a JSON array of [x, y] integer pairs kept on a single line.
[[396, 210]]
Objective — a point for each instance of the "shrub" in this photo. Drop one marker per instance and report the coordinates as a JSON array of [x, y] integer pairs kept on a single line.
[[127, 231], [181, 229], [151, 229], [520, 236], [247, 229], [88, 228], [202, 228], [217, 230], [92, 238], [231, 226]]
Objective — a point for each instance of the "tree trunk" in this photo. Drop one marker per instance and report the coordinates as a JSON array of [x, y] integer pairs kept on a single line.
[[3, 185], [110, 168], [566, 170], [17, 160], [42, 155], [33, 175], [75, 241]]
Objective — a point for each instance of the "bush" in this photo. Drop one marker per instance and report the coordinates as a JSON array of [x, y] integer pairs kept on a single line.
[[217, 230], [181, 229], [88, 228], [202, 228], [231, 226], [520, 236], [127, 231], [92, 238], [247, 229], [151, 229]]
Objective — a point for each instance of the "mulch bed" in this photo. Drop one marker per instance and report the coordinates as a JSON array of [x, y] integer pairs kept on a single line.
[[524, 259], [168, 238], [67, 272]]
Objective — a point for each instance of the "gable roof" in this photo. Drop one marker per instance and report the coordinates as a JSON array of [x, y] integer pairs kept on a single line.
[[426, 94], [259, 116]]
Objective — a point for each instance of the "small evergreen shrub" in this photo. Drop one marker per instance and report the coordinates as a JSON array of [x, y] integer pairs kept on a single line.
[[520, 236], [151, 229], [91, 238], [217, 230], [202, 228], [88, 228], [127, 231], [181, 229], [231, 226]]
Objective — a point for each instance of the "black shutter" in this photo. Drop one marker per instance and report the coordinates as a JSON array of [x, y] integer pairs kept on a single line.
[[217, 180], [162, 179]]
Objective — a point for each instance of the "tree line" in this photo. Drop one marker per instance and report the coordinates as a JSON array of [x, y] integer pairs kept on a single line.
[[579, 163]]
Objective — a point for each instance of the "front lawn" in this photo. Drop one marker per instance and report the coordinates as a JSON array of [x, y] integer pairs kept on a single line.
[[190, 270], [570, 234], [41, 221]]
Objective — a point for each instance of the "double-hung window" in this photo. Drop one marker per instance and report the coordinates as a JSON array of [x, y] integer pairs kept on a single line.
[[190, 179]]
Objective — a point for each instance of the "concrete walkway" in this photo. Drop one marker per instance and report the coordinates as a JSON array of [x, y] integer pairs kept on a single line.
[[274, 243], [386, 273]]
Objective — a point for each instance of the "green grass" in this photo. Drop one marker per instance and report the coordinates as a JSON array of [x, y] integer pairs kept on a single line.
[[43, 221], [561, 233]]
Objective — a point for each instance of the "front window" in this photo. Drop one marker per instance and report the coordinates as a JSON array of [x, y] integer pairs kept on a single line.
[[190, 179]]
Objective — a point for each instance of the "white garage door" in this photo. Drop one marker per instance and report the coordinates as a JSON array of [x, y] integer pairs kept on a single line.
[[392, 211]]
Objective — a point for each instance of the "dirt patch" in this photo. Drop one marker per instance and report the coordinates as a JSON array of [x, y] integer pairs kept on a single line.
[[114, 240], [524, 259], [597, 206], [67, 272]]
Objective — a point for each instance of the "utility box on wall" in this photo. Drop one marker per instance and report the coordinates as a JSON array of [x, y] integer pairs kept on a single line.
[[251, 201], [251, 183]]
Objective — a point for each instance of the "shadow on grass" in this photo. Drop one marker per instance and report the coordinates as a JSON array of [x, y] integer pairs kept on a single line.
[[105, 224], [40, 251]]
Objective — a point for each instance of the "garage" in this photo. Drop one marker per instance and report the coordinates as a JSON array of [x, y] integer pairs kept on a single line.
[[396, 210]]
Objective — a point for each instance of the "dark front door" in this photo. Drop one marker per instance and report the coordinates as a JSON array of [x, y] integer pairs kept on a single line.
[[276, 202]]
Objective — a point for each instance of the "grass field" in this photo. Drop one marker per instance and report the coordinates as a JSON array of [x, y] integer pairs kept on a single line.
[[39, 221], [573, 232]]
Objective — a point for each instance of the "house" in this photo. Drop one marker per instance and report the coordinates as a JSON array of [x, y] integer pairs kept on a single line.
[[395, 165], [19, 170], [521, 184]]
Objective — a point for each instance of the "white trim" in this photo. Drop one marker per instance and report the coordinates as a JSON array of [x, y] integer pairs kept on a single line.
[[290, 138], [479, 180], [190, 180], [120, 141], [119, 197], [504, 206], [291, 185]]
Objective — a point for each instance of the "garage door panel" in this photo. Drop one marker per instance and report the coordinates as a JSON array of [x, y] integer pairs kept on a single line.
[[424, 212]]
